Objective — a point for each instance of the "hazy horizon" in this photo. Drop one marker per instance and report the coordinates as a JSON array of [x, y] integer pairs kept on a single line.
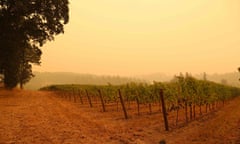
[[139, 37], [42, 79], [138, 75]]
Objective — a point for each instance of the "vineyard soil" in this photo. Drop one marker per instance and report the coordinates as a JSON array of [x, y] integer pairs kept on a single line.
[[42, 117]]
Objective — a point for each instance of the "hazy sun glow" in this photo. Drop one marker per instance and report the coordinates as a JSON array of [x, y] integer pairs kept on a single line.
[[129, 37]]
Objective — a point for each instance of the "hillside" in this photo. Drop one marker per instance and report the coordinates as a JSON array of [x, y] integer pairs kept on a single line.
[[226, 78], [42, 79]]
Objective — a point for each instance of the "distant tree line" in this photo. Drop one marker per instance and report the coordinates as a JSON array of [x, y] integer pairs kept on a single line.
[[25, 26], [50, 78]]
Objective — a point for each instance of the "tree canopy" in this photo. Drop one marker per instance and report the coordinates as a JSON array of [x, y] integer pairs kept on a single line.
[[27, 25], [239, 71]]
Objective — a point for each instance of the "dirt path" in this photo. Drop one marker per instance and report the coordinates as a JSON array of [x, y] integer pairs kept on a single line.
[[36, 117], [40, 117]]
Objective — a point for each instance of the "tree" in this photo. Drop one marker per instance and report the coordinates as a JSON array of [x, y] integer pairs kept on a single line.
[[25, 73], [239, 71], [224, 82], [29, 55], [27, 25], [204, 76]]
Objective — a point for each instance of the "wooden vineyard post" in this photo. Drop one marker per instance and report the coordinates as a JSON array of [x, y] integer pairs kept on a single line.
[[117, 100], [123, 106], [178, 101], [102, 101], [150, 105], [200, 109], [164, 110], [138, 105], [89, 99], [177, 115], [213, 105], [64, 94], [191, 113], [194, 111], [117, 105], [186, 110], [69, 95], [160, 104], [150, 108], [80, 96], [206, 107], [74, 97]]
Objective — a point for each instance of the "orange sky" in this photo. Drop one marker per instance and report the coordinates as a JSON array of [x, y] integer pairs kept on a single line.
[[133, 37]]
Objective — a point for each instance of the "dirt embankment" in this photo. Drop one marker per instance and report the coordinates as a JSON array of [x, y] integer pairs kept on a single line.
[[41, 117]]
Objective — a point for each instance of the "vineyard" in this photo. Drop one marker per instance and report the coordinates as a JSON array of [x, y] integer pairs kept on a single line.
[[182, 100]]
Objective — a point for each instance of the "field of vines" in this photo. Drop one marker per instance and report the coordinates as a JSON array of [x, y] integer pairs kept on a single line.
[[184, 98]]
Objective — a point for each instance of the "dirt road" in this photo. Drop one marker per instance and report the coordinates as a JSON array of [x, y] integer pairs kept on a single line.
[[42, 118]]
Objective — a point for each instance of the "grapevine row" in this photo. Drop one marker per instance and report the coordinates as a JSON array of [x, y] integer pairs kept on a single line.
[[183, 93]]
